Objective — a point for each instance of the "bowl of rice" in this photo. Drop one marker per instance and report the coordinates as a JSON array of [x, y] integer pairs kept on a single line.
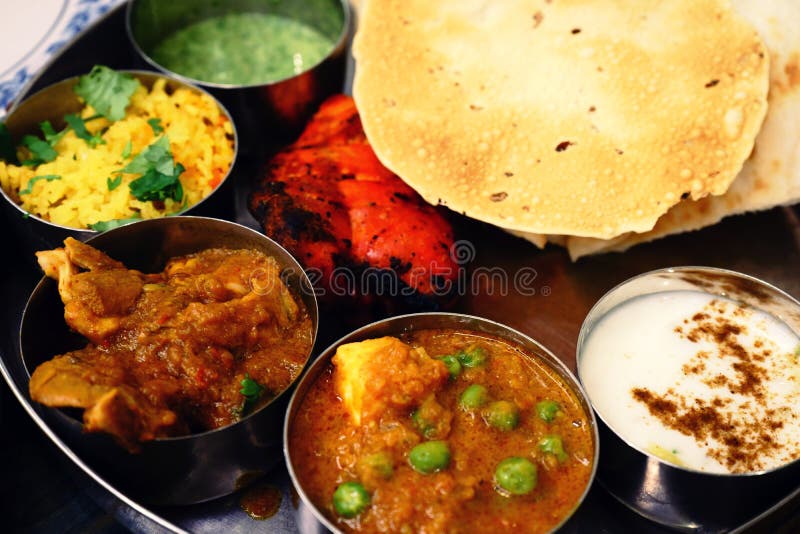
[[98, 151]]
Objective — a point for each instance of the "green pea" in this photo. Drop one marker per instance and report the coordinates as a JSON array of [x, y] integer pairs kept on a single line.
[[517, 476], [552, 444], [548, 410], [380, 464], [426, 427], [350, 499], [503, 415], [430, 457], [453, 365], [474, 397], [474, 357]]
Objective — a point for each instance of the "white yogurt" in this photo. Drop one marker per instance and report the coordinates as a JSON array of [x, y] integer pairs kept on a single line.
[[700, 381]]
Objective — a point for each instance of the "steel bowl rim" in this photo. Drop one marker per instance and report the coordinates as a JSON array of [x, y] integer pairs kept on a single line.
[[594, 315], [136, 73], [303, 280], [324, 357], [338, 46]]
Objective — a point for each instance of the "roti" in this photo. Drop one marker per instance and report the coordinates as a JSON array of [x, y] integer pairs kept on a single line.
[[577, 117]]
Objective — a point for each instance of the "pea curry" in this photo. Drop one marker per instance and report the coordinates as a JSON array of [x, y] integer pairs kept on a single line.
[[441, 431]]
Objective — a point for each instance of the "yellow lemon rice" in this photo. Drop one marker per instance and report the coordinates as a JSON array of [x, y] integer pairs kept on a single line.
[[200, 137]]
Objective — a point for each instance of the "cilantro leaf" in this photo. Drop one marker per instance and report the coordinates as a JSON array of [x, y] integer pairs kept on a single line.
[[154, 155], [7, 151], [102, 226], [107, 91], [29, 188], [160, 174], [126, 151], [251, 391], [155, 124], [154, 185], [41, 151], [250, 388], [50, 135], [79, 126], [113, 183]]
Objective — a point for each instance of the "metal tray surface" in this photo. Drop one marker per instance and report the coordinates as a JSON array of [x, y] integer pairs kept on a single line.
[[540, 293]]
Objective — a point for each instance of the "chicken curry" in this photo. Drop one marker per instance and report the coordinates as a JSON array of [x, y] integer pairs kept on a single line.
[[441, 431], [189, 349]]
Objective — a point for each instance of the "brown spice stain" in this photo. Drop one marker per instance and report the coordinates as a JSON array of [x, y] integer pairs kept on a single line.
[[743, 431], [695, 369], [792, 71]]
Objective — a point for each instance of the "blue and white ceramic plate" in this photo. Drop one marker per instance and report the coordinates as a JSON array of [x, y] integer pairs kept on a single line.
[[32, 31]]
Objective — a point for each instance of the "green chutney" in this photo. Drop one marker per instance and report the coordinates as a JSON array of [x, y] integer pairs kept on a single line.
[[243, 49]]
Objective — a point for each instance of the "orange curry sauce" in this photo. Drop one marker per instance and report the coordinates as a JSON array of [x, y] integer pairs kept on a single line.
[[169, 351], [326, 447]]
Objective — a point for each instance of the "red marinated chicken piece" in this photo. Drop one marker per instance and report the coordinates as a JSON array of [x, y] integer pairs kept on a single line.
[[335, 123], [329, 200]]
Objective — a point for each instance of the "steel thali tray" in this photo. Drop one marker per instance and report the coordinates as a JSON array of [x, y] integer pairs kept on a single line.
[[540, 293]]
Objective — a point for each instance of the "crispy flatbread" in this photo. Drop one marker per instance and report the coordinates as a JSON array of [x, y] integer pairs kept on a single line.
[[772, 174], [579, 117]]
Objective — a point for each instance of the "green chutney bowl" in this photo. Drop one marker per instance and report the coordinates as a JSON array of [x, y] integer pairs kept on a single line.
[[235, 49]]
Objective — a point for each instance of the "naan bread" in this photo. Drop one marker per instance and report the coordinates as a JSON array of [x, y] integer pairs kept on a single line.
[[772, 174], [578, 117]]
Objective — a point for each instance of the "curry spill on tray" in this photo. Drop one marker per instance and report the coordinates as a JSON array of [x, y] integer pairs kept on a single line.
[[192, 348]]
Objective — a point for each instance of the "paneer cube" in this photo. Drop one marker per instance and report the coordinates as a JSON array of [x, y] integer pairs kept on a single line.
[[382, 374]]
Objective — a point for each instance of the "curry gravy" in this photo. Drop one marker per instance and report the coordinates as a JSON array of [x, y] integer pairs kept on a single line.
[[327, 448]]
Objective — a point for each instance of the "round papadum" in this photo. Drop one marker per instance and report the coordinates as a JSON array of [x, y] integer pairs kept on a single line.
[[578, 117], [771, 176]]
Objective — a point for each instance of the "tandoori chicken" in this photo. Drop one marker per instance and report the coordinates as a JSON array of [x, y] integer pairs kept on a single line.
[[349, 220]]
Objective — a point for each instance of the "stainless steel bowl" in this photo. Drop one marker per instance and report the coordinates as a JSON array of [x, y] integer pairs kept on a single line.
[[682, 498], [52, 103], [180, 470], [309, 518], [282, 107]]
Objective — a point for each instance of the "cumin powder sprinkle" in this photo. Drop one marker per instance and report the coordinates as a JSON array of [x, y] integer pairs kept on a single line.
[[736, 425]]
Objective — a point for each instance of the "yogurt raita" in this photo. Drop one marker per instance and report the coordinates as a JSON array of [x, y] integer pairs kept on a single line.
[[700, 381]]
